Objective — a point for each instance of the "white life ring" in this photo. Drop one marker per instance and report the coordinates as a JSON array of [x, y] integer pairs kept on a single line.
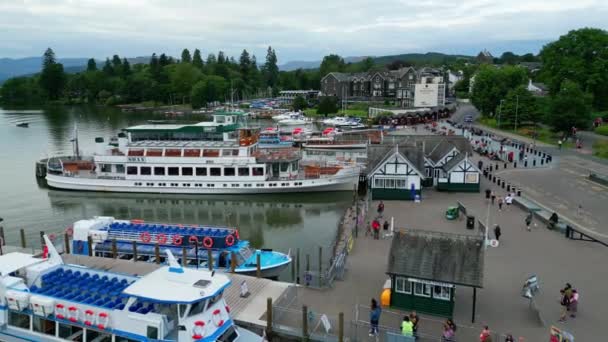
[[102, 320], [217, 318], [198, 330]]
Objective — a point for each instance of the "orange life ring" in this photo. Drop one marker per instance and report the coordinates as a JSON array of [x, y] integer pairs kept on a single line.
[[161, 239], [207, 242], [145, 237], [193, 239], [177, 240], [229, 240]]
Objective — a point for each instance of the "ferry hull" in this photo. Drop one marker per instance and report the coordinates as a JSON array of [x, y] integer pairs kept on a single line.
[[337, 183]]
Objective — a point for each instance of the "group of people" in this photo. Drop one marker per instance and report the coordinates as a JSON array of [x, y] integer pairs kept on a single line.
[[507, 199], [569, 302], [375, 224]]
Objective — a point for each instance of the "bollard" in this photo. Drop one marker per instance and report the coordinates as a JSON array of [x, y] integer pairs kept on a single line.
[[2, 236], [232, 262], [293, 271], [505, 166], [341, 327], [490, 168], [114, 249], [542, 162], [134, 247], [90, 245], [496, 166], [209, 260], [42, 240], [518, 192], [157, 253], [66, 242], [258, 271], [494, 179], [22, 232], [534, 162], [269, 317], [508, 187], [184, 257], [320, 266], [526, 163], [515, 165], [298, 266], [305, 322]]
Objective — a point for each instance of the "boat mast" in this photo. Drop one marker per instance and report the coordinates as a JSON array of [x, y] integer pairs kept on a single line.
[[75, 142]]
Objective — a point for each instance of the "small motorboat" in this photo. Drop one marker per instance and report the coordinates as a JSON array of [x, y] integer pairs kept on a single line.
[[23, 124], [295, 119]]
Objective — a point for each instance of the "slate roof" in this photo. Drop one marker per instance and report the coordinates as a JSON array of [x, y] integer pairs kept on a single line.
[[443, 257], [378, 154], [453, 162], [340, 76], [440, 150], [434, 146]]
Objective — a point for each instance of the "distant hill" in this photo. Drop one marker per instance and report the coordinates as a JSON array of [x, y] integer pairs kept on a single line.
[[430, 58]]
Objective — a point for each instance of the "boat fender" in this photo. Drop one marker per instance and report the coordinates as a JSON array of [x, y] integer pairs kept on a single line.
[[236, 234], [207, 242], [102, 320], [229, 240], [73, 314], [161, 239], [60, 311], [193, 239], [177, 240], [89, 315], [145, 237], [217, 318], [70, 231], [198, 330]]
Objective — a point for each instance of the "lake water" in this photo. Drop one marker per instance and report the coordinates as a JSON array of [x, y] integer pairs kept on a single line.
[[281, 222]]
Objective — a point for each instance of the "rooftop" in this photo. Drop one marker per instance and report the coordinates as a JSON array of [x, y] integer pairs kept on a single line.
[[182, 144], [12, 262]]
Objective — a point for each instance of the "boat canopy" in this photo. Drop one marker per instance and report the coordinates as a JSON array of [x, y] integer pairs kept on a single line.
[[15, 261], [182, 285]]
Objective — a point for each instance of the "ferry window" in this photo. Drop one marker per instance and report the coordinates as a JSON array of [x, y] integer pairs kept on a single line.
[[243, 171], [214, 299], [230, 152], [159, 171], [173, 171], [220, 119], [294, 166], [145, 170], [201, 171], [258, 171], [120, 168], [215, 171], [228, 171], [19, 320], [197, 308], [70, 333], [186, 171], [98, 336], [229, 336], [131, 170], [45, 326], [284, 167], [105, 167], [152, 332]]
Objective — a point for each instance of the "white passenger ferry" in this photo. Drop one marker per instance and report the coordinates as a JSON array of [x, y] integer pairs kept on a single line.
[[43, 299], [206, 158]]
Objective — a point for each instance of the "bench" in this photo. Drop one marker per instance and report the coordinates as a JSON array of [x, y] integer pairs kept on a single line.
[[540, 213]]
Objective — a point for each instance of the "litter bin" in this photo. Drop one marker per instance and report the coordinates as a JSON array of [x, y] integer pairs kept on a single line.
[[470, 222]]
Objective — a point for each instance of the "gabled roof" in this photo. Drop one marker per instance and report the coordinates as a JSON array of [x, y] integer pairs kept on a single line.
[[540, 86], [440, 150], [340, 76], [379, 154], [452, 163], [443, 257]]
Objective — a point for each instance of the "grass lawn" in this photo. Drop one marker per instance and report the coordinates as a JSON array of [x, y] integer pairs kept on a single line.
[[545, 135], [600, 149], [603, 130], [350, 112]]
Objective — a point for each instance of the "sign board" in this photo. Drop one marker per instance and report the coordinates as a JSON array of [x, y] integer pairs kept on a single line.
[[494, 243], [425, 95], [428, 282], [244, 289], [326, 323]]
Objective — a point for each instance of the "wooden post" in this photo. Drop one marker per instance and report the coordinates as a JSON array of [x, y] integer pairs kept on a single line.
[[209, 259], [196, 254], [134, 246], [258, 262], [66, 241], [341, 327], [268, 316], [2, 235], [232, 262], [157, 253], [293, 271], [305, 322], [22, 232], [114, 249], [307, 262], [184, 257], [90, 245], [298, 266], [42, 240], [474, 304], [320, 266], [307, 276]]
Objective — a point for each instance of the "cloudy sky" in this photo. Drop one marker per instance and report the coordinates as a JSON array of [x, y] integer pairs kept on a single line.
[[298, 30]]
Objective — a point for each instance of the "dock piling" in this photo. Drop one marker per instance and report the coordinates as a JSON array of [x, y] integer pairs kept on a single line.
[[66, 241], [114, 249], [232, 262], [268, 316], [258, 272], [157, 253], [305, 322], [184, 257], [209, 260], [298, 266], [22, 234], [341, 327], [90, 245], [320, 266], [42, 240], [2, 235], [293, 271], [134, 251]]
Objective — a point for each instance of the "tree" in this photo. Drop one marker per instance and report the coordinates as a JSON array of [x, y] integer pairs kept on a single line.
[[245, 65], [197, 61], [328, 105], [492, 85], [107, 68], [52, 78], [270, 70], [509, 57], [221, 59], [21, 91], [210, 88], [186, 56], [183, 77], [163, 60], [397, 64], [117, 65], [570, 107], [126, 68], [299, 103], [580, 56], [519, 104], [367, 64], [331, 63], [91, 65]]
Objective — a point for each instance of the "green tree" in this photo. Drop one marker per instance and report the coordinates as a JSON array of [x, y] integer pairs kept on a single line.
[[270, 70], [91, 65], [367, 64], [183, 77], [331, 63], [116, 65], [21, 91], [327, 105], [580, 56], [570, 107], [519, 104], [163, 60], [299, 103], [509, 58], [186, 56], [126, 68], [245, 65], [492, 85], [197, 61], [210, 88], [221, 58], [52, 78], [107, 68]]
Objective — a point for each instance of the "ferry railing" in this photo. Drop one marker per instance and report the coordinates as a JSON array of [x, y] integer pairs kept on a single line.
[[309, 325]]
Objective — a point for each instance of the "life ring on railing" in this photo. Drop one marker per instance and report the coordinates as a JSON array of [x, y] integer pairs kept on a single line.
[[229, 240], [207, 242], [198, 330], [89, 316], [73, 314], [145, 237], [193, 239], [217, 318], [161, 239], [69, 230], [102, 320], [177, 240], [60, 311]]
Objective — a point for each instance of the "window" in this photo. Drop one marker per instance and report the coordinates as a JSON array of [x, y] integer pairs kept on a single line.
[[145, 170], [229, 336], [378, 183], [173, 171], [131, 170], [120, 168], [441, 292], [257, 171], [70, 333], [201, 171], [429, 171], [19, 320], [402, 285], [284, 167], [44, 326], [159, 171], [197, 308], [243, 171], [389, 183], [437, 173], [186, 171], [152, 332], [97, 336], [400, 184], [422, 290], [215, 171], [105, 167], [229, 171], [230, 152]]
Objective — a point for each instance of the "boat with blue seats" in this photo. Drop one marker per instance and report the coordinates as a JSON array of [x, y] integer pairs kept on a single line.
[[44, 299], [138, 239], [272, 138]]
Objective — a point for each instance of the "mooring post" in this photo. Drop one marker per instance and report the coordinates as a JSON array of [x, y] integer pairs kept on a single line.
[[298, 266], [268, 316], [2, 235], [209, 259], [258, 262], [293, 271], [320, 266], [90, 245], [341, 327], [474, 304], [196, 254], [42, 240], [184, 257], [66, 241], [134, 246], [157, 253], [232, 262], [114, 249], [22, 232], [305, 322]]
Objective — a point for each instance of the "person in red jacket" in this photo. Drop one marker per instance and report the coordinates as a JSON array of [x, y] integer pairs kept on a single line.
[[376, 229]]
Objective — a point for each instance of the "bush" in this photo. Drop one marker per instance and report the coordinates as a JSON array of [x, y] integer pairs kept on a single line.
[[603, 130], [600, 149]]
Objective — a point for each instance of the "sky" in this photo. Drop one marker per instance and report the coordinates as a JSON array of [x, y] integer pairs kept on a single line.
[[297, 30]]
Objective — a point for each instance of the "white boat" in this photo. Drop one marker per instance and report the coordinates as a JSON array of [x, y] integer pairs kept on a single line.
[[283, 116], [44, 299], [295, 119], [209, 158]]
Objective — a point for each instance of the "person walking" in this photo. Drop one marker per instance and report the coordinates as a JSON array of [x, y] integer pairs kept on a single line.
[[485, 335], [449, 331], [564, 302], [574, 303], [385, 229], [488, 194], [493, 197], [380, 208], [407, 327], [376, 228], [500, 202], [374, 317], [528, 220], [497, 232], [509, 338], [559, 143], [415, 320]]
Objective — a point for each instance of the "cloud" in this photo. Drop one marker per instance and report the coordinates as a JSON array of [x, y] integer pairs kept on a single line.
[[298, 30]]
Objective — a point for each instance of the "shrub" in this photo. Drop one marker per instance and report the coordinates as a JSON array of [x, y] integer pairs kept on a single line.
[[603, 130]]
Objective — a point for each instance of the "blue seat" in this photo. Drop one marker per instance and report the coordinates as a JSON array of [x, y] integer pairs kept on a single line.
[[121, 307], [34, 288]]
